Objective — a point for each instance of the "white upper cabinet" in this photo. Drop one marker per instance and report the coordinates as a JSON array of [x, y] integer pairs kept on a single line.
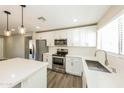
[[56, 34], [62, 34], [69, 38], [48, 36], [39, 35], [50, 39], [76, 38], [36, 36], [88, 36], [83, 37], [73, 37], [91, 37]]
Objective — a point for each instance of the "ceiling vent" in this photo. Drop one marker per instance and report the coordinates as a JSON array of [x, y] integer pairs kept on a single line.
[[41, 18]]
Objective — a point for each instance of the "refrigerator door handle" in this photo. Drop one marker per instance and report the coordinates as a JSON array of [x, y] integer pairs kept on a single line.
[[33, 52]]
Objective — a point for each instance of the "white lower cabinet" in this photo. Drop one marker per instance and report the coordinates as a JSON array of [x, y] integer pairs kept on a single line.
[[48, 58], [74, 65], [35, 80], [84, 81]]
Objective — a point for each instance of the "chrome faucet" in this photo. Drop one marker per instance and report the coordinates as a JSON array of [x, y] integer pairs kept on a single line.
[[106, 60]]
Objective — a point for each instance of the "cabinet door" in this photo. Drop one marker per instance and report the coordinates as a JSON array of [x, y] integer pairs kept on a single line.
[[38, 36], [91, 37], [74, 65], [88, 36], [69, 65], [48, 58], [76, 37], [50, 39], [56, 34], [77, 66], [83, 38], [73, 37], [63, 34], [69, 37]]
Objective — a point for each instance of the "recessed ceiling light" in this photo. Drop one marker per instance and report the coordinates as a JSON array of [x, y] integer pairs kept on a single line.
[[75, 20], [12, 29], [37, 27]]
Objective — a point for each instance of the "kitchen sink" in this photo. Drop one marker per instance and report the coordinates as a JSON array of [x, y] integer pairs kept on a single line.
[[95, 65]]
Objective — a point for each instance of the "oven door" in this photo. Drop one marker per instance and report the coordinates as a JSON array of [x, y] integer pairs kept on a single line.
[[58, 64], [59, 61]]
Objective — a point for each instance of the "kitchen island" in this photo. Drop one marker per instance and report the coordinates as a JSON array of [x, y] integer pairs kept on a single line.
[[23, 73]]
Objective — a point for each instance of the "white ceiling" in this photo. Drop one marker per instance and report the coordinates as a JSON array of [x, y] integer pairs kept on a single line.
[[57, 16]]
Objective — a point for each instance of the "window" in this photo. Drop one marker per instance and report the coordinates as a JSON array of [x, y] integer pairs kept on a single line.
[[121, 35], [111, 36]]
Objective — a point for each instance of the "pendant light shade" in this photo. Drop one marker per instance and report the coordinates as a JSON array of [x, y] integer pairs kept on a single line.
[[22, 29], [7, 32]]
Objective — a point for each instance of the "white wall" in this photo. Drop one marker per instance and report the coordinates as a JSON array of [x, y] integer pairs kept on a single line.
[[1, 47], [82, 51], [113, 11], [117, 62], [114, 59], [14, 46]]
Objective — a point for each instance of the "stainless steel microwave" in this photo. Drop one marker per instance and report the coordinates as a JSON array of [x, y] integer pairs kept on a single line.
[[60, 42]]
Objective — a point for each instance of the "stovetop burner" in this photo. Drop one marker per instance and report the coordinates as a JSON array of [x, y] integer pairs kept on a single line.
[[60, 55], [61, 52]]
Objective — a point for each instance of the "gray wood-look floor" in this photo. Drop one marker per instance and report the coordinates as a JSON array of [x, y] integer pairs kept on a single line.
[[60, 80]]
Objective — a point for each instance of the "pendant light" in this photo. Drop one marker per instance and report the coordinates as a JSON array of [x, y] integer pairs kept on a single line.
[[22, 29], [7, 32]]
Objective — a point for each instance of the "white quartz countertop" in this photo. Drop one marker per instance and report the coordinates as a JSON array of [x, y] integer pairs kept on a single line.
[[98, 79], [15, 70], [70, 55]]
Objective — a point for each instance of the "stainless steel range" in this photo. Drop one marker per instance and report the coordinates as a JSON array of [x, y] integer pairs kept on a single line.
[[59, 59]]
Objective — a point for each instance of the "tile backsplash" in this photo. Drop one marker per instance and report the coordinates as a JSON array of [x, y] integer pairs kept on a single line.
[[82, 51]]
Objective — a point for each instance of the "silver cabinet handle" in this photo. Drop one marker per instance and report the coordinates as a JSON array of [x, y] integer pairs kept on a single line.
[[33, 52]]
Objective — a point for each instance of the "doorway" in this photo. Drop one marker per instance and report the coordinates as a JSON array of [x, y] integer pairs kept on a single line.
[[29, 51]]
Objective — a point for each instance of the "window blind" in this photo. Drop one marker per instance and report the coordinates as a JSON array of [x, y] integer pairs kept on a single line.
[[120, 30], [111, 36]]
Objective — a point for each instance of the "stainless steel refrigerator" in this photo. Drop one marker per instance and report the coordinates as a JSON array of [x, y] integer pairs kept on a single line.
[[41, 47]]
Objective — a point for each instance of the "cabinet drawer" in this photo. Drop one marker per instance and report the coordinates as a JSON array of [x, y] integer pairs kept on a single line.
[[74, 59]]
